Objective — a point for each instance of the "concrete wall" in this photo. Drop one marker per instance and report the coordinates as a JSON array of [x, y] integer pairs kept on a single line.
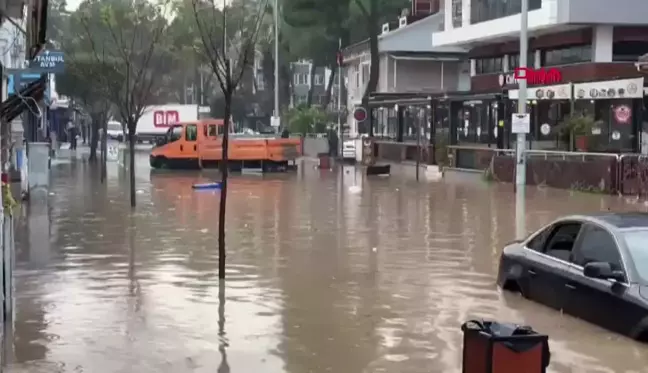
[[314, 146]]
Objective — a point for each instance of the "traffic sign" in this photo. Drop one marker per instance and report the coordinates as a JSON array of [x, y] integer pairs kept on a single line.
[[521, 123], [360, 114]]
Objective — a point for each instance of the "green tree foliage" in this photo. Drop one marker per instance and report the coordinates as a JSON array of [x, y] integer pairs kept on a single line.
[[124, 40], [304, 120]]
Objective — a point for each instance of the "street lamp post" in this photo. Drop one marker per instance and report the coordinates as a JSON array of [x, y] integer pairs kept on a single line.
[[275, 116], [520, 157], [520, 171]]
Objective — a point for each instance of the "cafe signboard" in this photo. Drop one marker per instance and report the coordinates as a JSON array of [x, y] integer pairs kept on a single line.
[[532, 76]]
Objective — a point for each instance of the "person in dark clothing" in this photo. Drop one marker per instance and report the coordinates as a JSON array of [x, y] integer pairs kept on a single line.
[[333, 142], [72, 134]]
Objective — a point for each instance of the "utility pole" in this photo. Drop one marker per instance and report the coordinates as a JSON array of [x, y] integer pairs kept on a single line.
[[339, 99], [522, 118], [520, 169], [276, 121]]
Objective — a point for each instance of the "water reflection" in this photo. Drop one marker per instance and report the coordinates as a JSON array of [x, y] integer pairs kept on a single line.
[[326, 272]]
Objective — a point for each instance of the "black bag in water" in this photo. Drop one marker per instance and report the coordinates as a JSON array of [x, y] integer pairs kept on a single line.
[[502, 330]]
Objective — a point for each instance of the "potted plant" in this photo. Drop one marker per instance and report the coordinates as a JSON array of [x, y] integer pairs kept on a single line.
[[576, 130]]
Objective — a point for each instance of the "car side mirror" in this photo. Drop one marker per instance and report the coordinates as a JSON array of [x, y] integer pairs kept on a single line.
[[602, 270]]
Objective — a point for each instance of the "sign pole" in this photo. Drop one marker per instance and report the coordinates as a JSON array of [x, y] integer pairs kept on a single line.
[[523, 120], [520, 170]]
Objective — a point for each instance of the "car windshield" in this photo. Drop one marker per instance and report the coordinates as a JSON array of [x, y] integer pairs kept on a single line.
[[114, 127], [637, 243]]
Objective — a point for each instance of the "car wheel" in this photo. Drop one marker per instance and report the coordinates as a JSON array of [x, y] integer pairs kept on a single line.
[[159, 162]]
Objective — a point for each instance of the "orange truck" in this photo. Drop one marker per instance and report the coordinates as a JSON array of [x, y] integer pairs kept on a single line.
[[199, 144]]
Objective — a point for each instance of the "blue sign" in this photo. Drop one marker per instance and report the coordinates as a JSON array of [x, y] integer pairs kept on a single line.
[[17, 82], [48, 62]]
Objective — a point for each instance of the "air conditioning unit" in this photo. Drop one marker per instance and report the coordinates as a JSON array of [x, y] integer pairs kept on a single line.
[[402, 22]]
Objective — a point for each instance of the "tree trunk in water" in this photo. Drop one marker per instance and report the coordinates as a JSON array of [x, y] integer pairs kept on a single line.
[[104, 148], [223, 195], [374, 68], [329, 89], [311, 89], [94, 137], [131, 163]]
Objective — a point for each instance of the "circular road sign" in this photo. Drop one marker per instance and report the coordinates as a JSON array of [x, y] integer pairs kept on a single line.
[[360, 114]]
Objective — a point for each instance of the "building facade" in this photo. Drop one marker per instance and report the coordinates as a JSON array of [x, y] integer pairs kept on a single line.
[[408, 64], [590, 47], [304, 78]]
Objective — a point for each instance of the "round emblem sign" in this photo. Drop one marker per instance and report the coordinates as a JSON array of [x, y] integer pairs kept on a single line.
[[616, 135], [632, 88], [545, 129], [360, 114], [539, 93], [622, 113]]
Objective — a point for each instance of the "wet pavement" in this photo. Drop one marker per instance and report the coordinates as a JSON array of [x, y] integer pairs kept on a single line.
[[322, 277]]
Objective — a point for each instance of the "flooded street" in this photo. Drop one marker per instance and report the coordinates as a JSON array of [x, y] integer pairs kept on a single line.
[[320, 279]]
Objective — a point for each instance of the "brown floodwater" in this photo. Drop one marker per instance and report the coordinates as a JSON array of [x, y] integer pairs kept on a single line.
[[321, 277]]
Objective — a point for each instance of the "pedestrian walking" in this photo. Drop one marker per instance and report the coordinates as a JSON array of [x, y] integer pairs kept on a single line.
[[72, 134]]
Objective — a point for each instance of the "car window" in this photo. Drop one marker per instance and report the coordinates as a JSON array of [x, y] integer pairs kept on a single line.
[[537, 242], [597, 245], [637, 244], [174, 133], [191, 132], [560, 242]]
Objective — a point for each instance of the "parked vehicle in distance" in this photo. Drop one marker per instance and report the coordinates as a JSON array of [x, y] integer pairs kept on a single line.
[[594, 267], [115, 131], [199, 144], [349, 150], [156, 120]]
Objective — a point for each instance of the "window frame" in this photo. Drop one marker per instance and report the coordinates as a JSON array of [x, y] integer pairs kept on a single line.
[[170, 132], [551, 231], [186, 132], [578, 245]]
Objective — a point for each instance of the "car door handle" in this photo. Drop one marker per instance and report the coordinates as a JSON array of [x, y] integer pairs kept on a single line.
[[532, 272], [570, 286]]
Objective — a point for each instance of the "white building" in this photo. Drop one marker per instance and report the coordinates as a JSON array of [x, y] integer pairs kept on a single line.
[[408, 62], [592, 43]]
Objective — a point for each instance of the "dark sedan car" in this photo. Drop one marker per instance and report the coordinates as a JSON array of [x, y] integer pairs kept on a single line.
[[594, 267]]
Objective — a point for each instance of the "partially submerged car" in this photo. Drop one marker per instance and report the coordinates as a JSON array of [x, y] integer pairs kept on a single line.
[[594, 267]]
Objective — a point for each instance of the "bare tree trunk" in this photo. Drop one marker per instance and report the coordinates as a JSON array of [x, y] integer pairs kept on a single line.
[[94, 137], [374, 68], [311, 89], [329, 89], [131, 163], [223, 196], [104, 147]]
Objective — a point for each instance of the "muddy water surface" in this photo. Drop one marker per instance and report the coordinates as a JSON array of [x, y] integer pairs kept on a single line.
[[321, 277]]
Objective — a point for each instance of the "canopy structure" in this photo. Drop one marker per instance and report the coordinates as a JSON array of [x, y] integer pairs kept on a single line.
[[27, 98]]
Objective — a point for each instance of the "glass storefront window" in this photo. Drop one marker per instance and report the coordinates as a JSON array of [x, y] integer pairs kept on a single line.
[[486, 10], [568, 55]]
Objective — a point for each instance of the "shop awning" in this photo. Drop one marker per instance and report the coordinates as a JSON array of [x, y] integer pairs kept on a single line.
[[14, 105], [424, 98]]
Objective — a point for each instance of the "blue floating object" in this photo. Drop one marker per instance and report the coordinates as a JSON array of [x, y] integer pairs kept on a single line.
[[207, 186]]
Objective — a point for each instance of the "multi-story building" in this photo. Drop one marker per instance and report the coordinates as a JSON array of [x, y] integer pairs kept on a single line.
[[302, 83], [408, 64], [590, 45]]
